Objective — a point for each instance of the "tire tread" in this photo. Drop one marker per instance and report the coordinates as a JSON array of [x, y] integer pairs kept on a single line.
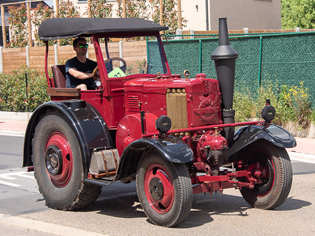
[[86, 193], [284, 175], [185, 197]]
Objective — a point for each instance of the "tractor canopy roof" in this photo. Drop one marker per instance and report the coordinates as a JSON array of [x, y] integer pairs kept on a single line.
[[58, 28]]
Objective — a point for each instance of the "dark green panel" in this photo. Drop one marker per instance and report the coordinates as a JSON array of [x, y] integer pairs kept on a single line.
[[287, 58], [183, 55]]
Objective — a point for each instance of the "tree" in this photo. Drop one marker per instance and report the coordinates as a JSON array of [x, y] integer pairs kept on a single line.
[[170, 15], [100, 9], [150, 10], [18, 26], [134, 9], [67, 10], [298, 13], [39, 14], [146, 9]]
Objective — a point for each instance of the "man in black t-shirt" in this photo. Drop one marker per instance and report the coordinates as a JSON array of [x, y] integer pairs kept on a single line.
[[79, 69]]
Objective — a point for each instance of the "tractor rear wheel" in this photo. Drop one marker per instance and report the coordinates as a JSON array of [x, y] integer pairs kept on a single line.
[[58, 165], [164, 190]]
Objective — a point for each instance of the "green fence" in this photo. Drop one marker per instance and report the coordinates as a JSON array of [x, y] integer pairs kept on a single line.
[[283, 58]]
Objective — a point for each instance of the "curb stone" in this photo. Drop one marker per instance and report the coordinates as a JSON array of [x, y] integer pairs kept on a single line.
[[302, 157], [21, 116], [12, 133]]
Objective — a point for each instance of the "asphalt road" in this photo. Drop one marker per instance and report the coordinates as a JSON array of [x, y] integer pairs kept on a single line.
[[118, 212], [11, 151]]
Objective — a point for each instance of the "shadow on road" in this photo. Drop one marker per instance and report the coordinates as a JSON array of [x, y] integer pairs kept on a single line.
[[292, 204], [126, 205]]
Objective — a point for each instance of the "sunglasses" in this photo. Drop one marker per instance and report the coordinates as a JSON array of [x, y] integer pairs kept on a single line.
[[82, 46]]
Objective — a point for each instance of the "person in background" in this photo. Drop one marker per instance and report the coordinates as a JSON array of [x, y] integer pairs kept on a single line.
[[79, 69]]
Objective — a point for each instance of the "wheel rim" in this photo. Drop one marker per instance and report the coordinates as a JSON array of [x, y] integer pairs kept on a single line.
[[159, 189], [261, 166], [58, 159]]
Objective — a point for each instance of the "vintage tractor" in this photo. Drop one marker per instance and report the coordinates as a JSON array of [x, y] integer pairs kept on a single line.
[[174, 136]]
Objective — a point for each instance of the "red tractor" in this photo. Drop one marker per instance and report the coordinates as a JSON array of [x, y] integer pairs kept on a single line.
[[174, 136]]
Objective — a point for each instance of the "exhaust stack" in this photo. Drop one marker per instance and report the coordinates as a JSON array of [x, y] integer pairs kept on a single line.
[[224, 56]]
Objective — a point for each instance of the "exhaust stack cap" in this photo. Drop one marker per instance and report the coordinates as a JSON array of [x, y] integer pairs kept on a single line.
[[224, 50]]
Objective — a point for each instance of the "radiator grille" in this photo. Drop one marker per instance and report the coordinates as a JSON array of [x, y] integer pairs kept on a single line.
[[176, 104], [133, 104]]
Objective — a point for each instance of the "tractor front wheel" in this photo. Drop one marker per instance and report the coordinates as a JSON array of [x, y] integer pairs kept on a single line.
[[164, 190], [271, 166]]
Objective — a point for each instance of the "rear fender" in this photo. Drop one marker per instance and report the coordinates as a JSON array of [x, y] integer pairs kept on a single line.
[[170, 148], [274, 134], [86, 122]]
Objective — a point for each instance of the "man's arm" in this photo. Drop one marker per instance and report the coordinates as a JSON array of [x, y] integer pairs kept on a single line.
[[78, 74]]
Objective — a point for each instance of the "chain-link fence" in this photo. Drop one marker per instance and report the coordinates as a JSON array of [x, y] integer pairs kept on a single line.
[[282, 58]]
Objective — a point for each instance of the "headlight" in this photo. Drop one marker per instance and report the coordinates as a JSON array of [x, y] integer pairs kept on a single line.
[[268, 113], [163, 124]]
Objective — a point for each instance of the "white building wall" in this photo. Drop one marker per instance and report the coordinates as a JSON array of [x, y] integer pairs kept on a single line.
[[81, 7], [252, 14], [195, 12]]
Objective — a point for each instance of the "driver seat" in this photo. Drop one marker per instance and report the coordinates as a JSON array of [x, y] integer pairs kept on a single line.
[[59, 74]]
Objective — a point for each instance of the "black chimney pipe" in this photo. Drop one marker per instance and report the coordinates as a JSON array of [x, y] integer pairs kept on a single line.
[[224, 56]]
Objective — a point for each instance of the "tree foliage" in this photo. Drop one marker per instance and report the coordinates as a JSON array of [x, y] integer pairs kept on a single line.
[[15, 96], [169, 16], [67, 10], [134, 9], [18, 26], [146, 9], [298, 13], [150, 10], [39, 14], [100, 9]]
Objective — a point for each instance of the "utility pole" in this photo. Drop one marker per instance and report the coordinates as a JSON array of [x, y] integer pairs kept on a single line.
[[161, 12], [29, 30], [124, 9], [56, 3], [4, 35], [207, 16], [179, 9], [89, 8]]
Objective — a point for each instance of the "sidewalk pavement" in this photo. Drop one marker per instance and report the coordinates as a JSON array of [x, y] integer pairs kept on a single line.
[[13, 127]]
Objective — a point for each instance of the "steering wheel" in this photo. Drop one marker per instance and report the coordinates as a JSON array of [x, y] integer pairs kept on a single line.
[[94, 73], [109, 63], [110, 60]]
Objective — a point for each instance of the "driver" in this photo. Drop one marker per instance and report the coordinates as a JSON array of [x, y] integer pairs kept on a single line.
[[79, 69]]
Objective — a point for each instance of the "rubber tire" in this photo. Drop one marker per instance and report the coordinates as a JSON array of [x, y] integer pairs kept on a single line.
[[183, 196], [76, 194], [282, 173]]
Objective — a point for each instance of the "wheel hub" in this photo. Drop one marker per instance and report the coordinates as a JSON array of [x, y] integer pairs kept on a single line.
[[261, 168], [53, 159], [159, 188], [156, 189], [58, 159]]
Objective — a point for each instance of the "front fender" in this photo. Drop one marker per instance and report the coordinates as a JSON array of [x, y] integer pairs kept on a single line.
[[170, 148], [273, 133]]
